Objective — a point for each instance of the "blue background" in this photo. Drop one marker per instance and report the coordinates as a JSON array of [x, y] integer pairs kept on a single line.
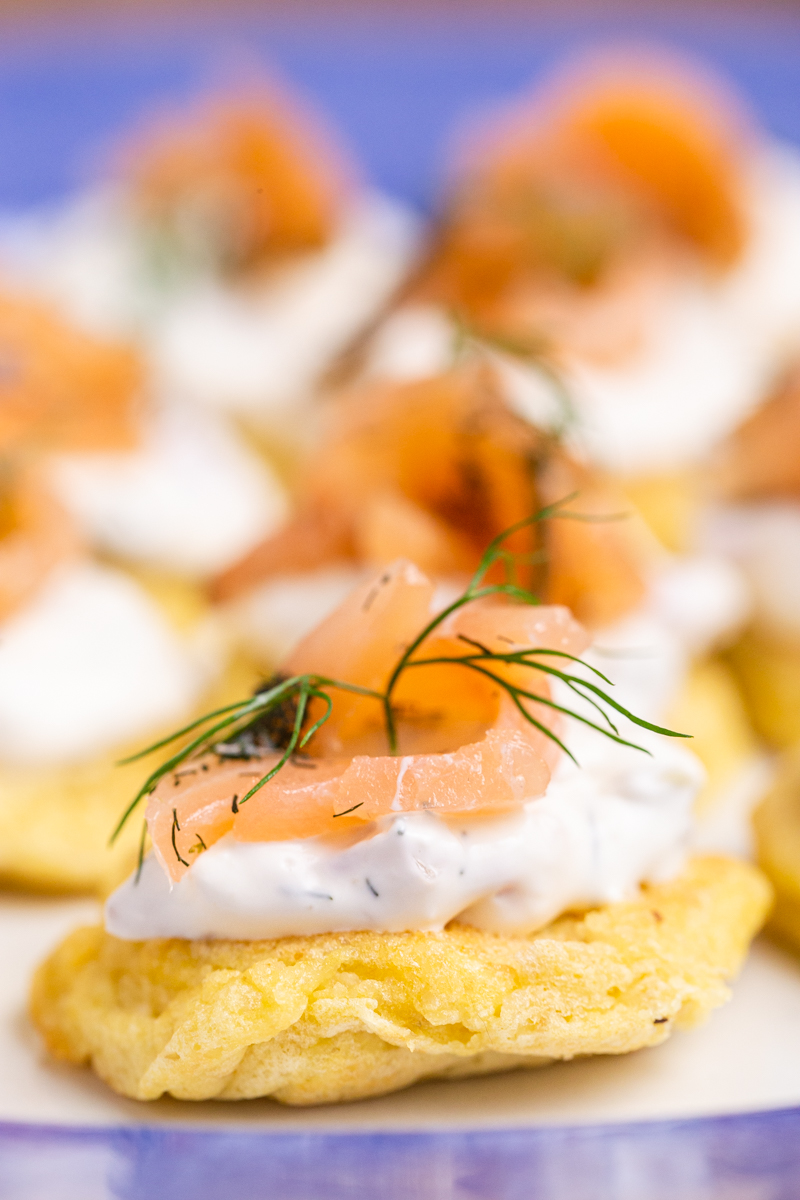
[[395, 86]]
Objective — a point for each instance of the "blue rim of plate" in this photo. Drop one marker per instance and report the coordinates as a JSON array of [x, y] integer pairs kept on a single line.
[[748, 1156], [395, 82]]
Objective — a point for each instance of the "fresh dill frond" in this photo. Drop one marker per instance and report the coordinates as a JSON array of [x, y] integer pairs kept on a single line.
[[176, 829], [268, 731], [275, 716]]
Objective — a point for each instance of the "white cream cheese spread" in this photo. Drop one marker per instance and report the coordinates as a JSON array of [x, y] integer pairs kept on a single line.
[[600, 830], [666, 405], [259, 352], [191, 499], [85, 256], [764, 540], [273, 616], [88, 664]]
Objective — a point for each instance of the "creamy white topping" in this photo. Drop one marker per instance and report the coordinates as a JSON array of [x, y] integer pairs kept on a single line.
[[702, 598], [693, 379], [413, 342], [762, 293], [273, 617], [692, 606], [665, 404], [764, 539], [87, 256], [593, 838], [260, 352], [192, 498], [95, 260], [90, 663]]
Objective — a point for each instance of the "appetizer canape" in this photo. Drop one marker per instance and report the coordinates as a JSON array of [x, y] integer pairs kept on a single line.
[[305, 256], [241, 246], [629, 226], [427, 847], [150, 482]]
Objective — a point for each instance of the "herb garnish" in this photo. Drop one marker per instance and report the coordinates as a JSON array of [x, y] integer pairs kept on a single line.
[[176, 829], [269, 710]]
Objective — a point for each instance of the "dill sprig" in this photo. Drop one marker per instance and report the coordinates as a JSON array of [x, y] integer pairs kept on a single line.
[[233, 720]]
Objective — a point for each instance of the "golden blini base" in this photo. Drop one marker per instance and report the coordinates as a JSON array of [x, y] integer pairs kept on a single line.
[[335, 1017]]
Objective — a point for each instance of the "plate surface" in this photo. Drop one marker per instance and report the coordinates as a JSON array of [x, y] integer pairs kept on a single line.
[[694, 1073], [713, 1114]]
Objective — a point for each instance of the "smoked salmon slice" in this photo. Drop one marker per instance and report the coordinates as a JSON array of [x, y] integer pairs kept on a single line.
[[433, 471], [616, 153], [36, 535], [61, 389], [463, 744], [248, 174]]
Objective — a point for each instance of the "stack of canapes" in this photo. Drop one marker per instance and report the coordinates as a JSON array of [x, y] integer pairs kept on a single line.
[[623, 246]]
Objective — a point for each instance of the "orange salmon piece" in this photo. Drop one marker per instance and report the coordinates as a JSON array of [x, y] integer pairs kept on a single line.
[[432, 471], [194, 808], [249, 173], [36, 534], [59, 388], [615, 154], [677, 142]]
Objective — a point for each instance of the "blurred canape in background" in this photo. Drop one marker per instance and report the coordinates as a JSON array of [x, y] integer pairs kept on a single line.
[[237, 241], [628, 226], [89, 661]]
